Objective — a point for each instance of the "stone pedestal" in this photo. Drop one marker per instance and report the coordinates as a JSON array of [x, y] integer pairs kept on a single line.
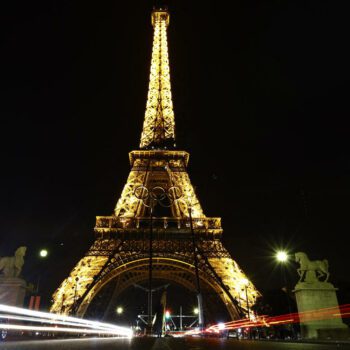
[[315, 296], [12, 291]]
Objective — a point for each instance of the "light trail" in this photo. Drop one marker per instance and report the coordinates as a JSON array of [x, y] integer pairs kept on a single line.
[[58, 329], [57, 317], [81, 325], [267, 321], [43, 320]]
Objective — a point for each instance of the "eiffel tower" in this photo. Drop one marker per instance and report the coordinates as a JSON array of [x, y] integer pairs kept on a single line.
[[181, 233]]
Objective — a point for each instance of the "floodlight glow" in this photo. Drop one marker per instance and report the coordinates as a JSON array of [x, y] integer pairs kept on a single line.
[[281, 256], [43, 253], [196, 311], [119, 310]]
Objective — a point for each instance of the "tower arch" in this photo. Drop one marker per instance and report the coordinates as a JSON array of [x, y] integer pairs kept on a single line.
[[173, 269]]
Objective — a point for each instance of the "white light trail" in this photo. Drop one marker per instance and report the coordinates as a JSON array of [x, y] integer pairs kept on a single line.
[[45, 317], [44, 320], [59, 329], [56, 317]]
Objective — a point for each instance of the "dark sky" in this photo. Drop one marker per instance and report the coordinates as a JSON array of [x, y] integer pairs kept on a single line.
[[261, 102]]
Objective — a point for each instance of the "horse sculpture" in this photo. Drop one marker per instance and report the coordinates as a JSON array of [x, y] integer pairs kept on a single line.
[[311, 271], [11, 266]]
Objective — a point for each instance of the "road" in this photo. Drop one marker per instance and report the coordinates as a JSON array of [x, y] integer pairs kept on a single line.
[[163, 344]]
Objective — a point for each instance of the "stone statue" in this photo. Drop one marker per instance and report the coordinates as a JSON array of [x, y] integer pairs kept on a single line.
[[11, 266], [311, 271], [313, 293]]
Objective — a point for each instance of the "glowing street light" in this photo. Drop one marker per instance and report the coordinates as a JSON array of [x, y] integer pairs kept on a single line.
[[167, 314], [282, 256], [119, 310], [196, 311], [43, 253]]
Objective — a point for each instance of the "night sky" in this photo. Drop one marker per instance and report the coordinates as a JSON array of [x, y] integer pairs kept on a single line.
[[260, 94]]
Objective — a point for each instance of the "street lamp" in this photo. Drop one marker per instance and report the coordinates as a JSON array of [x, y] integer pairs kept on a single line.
[[34, 302], [43, 253], [195, 311], [282, 257], [119, 310]]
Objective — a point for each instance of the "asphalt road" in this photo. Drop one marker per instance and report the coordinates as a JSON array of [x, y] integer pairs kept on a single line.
[[163, 344]]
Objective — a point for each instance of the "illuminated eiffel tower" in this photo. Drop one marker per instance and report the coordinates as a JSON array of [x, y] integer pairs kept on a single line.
[[184, 241]]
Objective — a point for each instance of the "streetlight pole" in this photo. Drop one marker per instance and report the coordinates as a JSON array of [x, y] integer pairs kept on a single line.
[[282, 257], [75, 293], [199, 295], [43, 255], [150, 270], [246, 296], [35, 298], [180, 318], [245, 282]]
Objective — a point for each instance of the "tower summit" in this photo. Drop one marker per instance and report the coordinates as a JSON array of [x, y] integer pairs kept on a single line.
[[158, 223], [159, 124]]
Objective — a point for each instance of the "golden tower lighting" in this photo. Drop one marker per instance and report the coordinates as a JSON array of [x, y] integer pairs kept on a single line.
[[121, 248], [159, 124]]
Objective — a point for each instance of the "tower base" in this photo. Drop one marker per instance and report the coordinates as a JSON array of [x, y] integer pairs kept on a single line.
[[315, 296], [12, 291]]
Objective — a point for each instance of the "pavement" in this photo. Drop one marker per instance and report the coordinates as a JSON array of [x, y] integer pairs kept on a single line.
[[164, 344]]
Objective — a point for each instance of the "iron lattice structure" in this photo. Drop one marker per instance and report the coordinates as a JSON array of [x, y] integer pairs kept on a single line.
[[159, 124], [121, 248]]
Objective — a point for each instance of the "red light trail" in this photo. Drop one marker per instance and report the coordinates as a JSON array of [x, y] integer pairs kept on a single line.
[[267, 321]]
